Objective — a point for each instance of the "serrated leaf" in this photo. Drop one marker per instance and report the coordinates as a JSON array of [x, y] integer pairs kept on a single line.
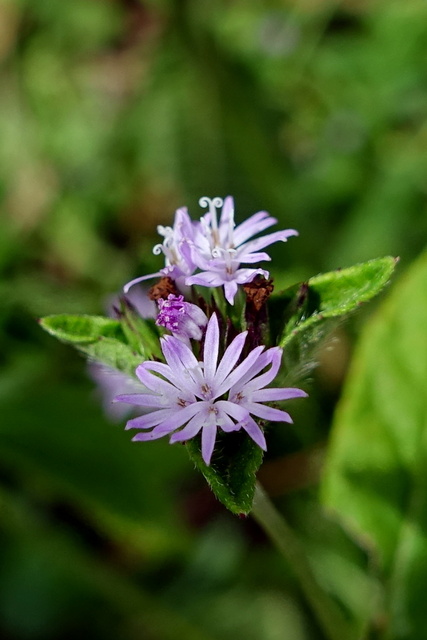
[[102, 339], [231, 474], [306, 312], [82, 329], [375, 476]]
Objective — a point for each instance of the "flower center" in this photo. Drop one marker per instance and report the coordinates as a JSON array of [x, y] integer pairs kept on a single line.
[[206, 392]]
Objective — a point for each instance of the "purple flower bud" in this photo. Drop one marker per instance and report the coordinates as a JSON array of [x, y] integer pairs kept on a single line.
[[182, 319]]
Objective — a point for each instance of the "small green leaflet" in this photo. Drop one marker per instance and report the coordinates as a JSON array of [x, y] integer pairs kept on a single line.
[[304, 314]]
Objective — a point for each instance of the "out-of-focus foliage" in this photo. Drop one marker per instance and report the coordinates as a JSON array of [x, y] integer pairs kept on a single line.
[[376, 472], [112, 113]]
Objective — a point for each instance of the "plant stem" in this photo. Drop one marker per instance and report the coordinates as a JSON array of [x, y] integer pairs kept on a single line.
[[327, 613]]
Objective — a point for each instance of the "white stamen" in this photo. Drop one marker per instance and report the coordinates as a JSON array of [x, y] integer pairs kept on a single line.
[[213, 204], [158, 249]]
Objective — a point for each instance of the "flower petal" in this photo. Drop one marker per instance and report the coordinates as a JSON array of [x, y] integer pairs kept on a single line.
[[149, 420], [236, 411], [253, 225], [230, 290], [267, 413], [191, 429], [274, 394], [130, 284], [249, 258], [178, 418], [239, 371], [242, 276], [143, 400], [206, 279], [230, 357], [208, 442], [143, 437], [154, 383], [265, 241], [260, 363], [183, 363], [255, 432], [210, 349], [224, 421]]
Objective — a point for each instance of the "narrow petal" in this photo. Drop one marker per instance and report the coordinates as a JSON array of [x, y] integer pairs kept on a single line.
[[197, 315], [227, 217], [230, 290], [190, 430], [183, 364], [265, 241], [224, 421], [267, 413], [275, 356], [143, 400], [208, 442], [183, 223], [206, 279], [150, 419], [272, 395], [249, 258], [236, 411], [187, 254], [242, 276], [230, 357], [130, 284], [144, 437], [253, 225], [239, 371], [255, 432], [178, 417], [154, 383], [260, 363], [210, 349], [158, 367]]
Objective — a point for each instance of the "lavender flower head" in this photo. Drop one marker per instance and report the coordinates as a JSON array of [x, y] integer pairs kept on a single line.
[[176, 249], [216, 248], [183, 319], [185, 396], [220, 248]]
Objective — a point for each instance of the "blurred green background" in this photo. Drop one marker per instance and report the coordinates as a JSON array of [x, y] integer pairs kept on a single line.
[[112, 114]]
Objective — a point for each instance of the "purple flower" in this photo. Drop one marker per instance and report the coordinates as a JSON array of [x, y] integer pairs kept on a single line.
[[183, 319], [176, 249], [186, 396], [220, 249]]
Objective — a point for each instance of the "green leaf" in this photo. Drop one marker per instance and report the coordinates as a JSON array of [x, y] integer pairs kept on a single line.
[[231, 474], [84, 329], [102, 339], [305, 313], [375, 476]]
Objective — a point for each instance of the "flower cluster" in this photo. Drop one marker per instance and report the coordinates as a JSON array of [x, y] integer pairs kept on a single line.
[[218, 249], [207, 380]]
